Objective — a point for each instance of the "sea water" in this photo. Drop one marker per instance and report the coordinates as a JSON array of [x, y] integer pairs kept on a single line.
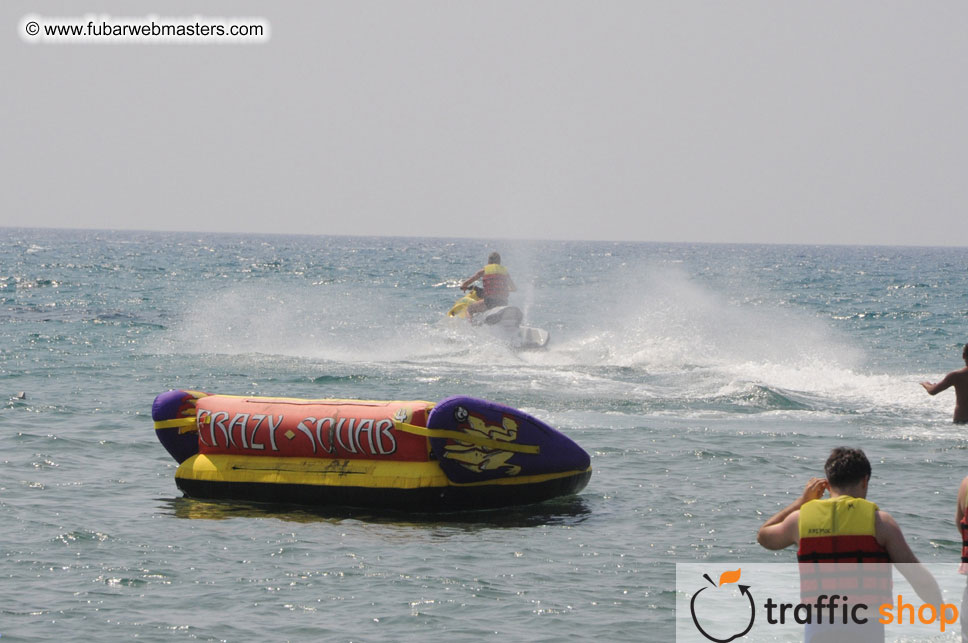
[[708, 383]]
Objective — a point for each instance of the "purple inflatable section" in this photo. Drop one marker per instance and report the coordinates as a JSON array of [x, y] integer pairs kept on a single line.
[[167, 406], [557, 453]]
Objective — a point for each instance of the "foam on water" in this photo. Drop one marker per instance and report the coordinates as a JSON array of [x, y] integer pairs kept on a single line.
[[326, 322], [680, 339], [693, 342]]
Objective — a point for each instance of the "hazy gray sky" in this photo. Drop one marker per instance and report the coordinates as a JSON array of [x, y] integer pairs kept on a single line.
[[746, 121]]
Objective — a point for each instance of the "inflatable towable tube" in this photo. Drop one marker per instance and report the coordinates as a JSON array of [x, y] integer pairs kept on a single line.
[[461, 453]]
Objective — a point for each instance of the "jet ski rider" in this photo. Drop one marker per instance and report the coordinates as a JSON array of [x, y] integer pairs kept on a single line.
[[497, 285]]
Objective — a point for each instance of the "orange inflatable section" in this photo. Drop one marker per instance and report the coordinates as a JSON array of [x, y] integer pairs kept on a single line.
[[341, 429]]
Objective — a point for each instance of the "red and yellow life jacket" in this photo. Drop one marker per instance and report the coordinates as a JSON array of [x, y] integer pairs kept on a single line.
[[963, 527], [839, 553], [497, 283]]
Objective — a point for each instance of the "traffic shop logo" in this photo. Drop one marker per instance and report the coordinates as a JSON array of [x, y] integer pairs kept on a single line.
[[726, 596]]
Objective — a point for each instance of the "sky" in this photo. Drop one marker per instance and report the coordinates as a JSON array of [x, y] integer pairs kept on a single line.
[[816, 122]]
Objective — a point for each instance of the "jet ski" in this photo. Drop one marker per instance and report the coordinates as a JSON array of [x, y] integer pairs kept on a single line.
[[459, 309], [505, 322]]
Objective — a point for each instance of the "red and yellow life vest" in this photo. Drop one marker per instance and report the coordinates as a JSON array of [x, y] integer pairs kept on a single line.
[[963, 527], [497, 284], [839, 553]]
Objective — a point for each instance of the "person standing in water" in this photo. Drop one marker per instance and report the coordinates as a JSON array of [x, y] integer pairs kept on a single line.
[[846, 528], [961, 519], [958, 379], [497, 285]]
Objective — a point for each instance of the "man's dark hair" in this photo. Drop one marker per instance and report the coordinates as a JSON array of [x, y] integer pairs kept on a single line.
[[845, 466], [964, 353], [494, 257]]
